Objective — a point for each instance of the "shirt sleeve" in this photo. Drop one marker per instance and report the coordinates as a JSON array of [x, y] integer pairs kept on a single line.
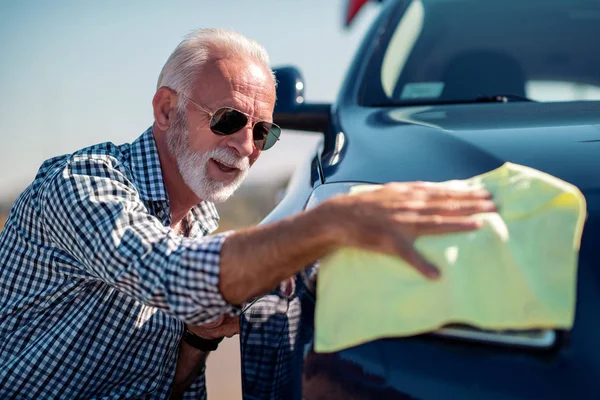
[[96, 219]]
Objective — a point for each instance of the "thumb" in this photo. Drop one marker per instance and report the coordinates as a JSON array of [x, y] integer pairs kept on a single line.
[[416, 260], [214, 324]]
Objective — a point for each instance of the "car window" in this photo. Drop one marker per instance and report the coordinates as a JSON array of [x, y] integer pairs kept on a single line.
[[456, 50], [548, 91]]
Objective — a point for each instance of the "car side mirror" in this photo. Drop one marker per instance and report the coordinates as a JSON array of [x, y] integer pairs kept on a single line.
[[290, 89], [291, 109]]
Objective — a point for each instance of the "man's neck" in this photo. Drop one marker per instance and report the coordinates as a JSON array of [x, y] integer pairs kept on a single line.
[[181, 197]]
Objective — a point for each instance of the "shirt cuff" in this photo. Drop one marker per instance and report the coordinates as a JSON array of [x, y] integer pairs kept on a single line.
[[205, 254]]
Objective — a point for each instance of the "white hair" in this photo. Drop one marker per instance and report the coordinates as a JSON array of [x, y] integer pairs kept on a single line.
[[195, 49]]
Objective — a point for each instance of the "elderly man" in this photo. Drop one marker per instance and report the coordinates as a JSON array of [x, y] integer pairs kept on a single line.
[[111, 285]]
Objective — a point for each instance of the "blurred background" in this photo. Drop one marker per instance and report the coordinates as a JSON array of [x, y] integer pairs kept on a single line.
[[78, 73]]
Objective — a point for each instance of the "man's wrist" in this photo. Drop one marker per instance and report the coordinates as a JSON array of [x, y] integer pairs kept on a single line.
[[200, 343], [331, 214], [191, 363]]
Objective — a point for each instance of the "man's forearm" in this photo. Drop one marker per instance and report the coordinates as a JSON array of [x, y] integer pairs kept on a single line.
[[190, 363], [255, 260]]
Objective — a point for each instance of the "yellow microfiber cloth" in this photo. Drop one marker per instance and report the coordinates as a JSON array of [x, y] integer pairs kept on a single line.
[[517, 272]]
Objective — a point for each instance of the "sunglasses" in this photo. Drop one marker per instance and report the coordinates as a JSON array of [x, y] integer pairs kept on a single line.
[[227, 121]]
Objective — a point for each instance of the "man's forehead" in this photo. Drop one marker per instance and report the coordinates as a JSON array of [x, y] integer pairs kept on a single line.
[[242, 84], [237, 73]]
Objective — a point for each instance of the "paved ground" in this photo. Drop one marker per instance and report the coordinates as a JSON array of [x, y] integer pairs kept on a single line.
[[223, 371]]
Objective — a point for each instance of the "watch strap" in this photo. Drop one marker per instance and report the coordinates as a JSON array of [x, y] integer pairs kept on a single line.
[[200, 343]]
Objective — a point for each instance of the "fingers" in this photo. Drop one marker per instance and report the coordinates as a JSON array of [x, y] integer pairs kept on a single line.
[[437, 225], [227, 326], [392, 217], [457, 207], [426, 198], [441, 191], [412, 256], [232, 328], [214, 324]]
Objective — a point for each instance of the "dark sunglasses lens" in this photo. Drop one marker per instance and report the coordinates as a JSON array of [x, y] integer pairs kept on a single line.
[[227, 121], [265, 135]]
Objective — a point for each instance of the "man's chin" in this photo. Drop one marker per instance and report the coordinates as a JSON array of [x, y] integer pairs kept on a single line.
[[217, 192], [213, 189], [220, 196]]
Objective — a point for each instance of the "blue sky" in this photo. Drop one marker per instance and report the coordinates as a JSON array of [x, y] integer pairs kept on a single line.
[[76, 73]]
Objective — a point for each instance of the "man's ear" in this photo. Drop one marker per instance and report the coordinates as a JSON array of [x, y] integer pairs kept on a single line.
[[164, 104]]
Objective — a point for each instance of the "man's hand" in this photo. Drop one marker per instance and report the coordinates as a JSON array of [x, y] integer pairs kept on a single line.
[[190, 360], [225, 326], [389, 220]]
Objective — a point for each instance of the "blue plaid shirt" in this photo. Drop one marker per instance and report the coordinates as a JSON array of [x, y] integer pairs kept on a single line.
[[95, 286]]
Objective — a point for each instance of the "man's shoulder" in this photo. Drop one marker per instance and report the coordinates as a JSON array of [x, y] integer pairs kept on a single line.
[[107, 153], [99, 160], [111, 154], [103, 160]]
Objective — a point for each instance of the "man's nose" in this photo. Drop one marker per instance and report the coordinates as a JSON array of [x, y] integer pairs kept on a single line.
[[242, 141]]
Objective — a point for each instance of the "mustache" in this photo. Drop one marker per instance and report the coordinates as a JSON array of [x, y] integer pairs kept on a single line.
[[229, 157]]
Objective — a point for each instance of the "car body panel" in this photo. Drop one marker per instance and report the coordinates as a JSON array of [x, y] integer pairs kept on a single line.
[[440, 142], [306, 177]]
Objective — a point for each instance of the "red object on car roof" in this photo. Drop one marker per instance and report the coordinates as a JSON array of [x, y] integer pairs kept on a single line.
[[353, 8]]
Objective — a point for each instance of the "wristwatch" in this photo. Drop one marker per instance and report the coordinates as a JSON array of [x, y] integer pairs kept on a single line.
[[200, 343]]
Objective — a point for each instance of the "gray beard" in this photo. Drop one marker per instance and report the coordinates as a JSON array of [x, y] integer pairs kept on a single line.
[[193, 166]]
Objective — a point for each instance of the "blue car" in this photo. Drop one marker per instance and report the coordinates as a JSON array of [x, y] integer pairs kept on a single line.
[[449, 89]]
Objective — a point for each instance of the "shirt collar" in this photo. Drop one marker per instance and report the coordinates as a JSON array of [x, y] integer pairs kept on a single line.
[[145, 167], [204, 219]]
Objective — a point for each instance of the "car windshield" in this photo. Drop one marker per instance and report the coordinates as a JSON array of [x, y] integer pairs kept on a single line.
[[453, 51]]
